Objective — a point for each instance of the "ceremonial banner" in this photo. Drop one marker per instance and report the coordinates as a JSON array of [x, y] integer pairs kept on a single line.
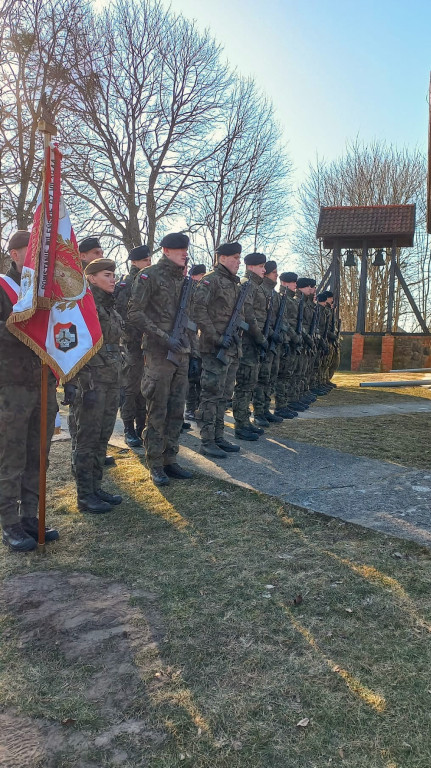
[[55, 313]]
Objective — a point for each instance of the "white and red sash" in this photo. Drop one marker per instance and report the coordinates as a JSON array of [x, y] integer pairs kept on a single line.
[[10, 287]]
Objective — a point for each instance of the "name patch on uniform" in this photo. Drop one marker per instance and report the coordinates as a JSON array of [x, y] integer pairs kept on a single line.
[[206, 282], [143, 276]]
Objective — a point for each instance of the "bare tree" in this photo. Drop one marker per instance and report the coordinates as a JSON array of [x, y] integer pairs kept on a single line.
[[245, 184], [366, 175]]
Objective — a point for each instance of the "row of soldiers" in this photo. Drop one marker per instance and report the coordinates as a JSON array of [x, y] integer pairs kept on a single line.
[[252, 342]]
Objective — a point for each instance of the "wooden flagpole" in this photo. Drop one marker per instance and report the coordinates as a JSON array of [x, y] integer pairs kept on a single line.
[[48, 128]]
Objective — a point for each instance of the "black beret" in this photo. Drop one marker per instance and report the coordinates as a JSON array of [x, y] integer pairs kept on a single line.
[[254, 259], [270, 266], [312, 283], [303, 282], [228, 249], [198, 269], [138, 253], [288, 277], [329, 295], [88, 244], [322, 296], [19, 239], [175, 240]]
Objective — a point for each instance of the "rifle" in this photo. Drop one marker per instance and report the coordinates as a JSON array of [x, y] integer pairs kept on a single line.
[[235, 323], [182, 321], [265, 329], [278, 322]]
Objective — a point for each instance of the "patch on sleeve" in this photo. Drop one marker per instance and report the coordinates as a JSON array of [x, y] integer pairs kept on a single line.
[[206, 282], [143, 276]]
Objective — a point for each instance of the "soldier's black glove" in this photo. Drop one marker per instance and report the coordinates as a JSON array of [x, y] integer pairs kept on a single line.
[[89, 398], [193, 368], [174, 345], [69, 394]]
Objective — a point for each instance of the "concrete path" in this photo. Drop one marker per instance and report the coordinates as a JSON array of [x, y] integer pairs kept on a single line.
[[379, 495], [359, 411]]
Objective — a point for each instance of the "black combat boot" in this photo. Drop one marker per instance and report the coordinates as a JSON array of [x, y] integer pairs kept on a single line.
[[109, 461], [17, 539], [179, 473], [285, 413], [130, 436], [31, 526], [93, 504], [139, 430], [273, 418], [298, 406], [225, 445], [186, 426], [244, 433], [253, 428], [260, 421], [213, 450], [111, 498], [159, 476]]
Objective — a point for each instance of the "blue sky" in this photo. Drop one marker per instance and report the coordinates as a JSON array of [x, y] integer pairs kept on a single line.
[[334, 70]]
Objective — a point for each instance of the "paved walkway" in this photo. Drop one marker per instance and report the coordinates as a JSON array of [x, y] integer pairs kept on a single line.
[[359, 411], [379, 495]]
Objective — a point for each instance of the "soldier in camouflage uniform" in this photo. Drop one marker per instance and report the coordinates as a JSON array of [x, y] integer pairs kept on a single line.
[[324, 348], [334, 340], [20, 418], [153, 307], [195, 364], [133, 407], [253, 341], [269, 361], [90, 249], [305, 287], [286, 395], [95, 394], [214, 303]]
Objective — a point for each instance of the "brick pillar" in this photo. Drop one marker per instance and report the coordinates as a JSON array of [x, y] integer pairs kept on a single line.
[[388, 343], [357, 351]]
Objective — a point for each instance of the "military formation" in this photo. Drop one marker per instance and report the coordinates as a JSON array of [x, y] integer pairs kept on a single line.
[[176, 341]]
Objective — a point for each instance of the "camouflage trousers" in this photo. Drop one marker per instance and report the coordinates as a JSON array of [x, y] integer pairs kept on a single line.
[[164, 386], [217, 383], [285, 387], [133, 408], [246, 380], [93, 428], [194, 391], [262, 391], [335, 360], [20, 449]]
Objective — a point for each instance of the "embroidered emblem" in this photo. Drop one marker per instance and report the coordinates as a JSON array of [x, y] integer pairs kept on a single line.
[[143, 276], [65, 336]]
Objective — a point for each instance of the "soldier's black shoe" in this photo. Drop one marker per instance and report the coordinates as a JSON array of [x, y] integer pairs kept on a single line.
[[17, 539], [243, 433], [130, 436], [261, 421], [225, 445], [139, 430], [159, 476], [254, 428], [174, 470], [31, 526], [273, 418], [93, 504], [186, 425], [297, 406], [109, 461], [213, 450], [111, 498], [285, 413]]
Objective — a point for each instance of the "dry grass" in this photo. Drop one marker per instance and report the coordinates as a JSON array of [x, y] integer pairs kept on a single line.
[[240, 664]]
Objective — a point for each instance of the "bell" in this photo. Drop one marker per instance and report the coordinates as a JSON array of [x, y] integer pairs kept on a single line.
[[350, 259], [379, 260]]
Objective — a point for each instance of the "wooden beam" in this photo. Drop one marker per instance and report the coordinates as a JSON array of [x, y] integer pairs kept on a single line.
[[362, 299], [412, 302], [391, 287]]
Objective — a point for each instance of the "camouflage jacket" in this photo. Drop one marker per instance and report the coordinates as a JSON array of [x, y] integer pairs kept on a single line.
[[268, 287], [18, 363], [213, 305], [255, 309], [123, 291], [154, 303], [308, 313], [290, 319], [105, 366]]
